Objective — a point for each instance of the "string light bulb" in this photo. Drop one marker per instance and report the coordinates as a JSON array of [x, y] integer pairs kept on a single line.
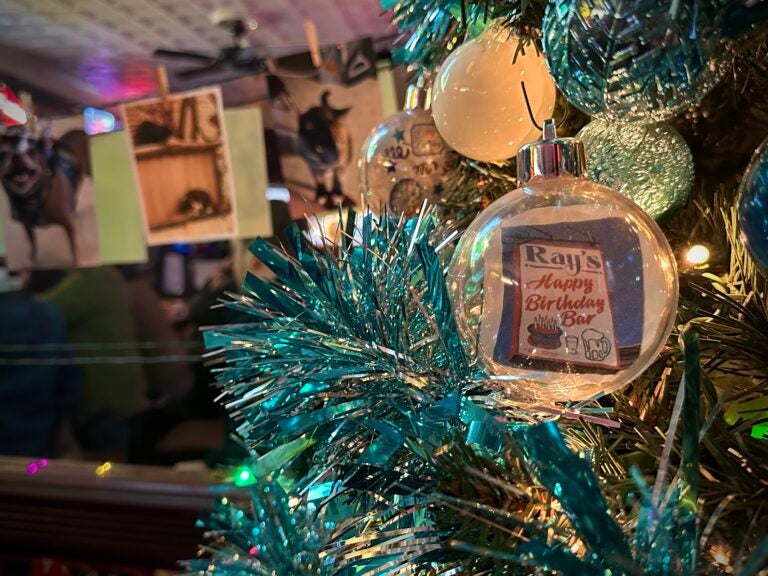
[[36, 466], [697, 255], [244, 476]]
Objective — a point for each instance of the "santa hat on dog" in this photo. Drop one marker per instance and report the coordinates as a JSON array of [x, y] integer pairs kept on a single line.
[[12, 111]]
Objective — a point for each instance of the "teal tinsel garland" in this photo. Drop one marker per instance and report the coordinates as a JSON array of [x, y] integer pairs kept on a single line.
[[354, 364], [349, 334]]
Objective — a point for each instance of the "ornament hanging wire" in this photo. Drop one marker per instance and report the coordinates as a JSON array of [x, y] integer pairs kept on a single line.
[[530, 111]]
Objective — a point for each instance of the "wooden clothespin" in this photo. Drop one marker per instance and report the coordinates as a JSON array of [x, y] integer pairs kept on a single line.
[[161, 77], [163, 89], [310, 30]]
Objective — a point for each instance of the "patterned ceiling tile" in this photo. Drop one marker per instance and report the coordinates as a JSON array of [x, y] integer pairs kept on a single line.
[[108, 44]]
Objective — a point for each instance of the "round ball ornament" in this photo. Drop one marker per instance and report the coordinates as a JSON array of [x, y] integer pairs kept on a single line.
[[404, 160], [641, 61], [753, 208], [477, 100], [562, 288], [649, 164]]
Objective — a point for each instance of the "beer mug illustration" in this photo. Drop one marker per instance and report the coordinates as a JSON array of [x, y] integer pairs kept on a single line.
[[596, 345]]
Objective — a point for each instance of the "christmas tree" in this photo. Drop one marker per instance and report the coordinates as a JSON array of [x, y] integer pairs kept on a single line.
[[384, 437]]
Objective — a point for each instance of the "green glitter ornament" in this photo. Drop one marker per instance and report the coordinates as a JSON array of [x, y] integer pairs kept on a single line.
[[651, 165]]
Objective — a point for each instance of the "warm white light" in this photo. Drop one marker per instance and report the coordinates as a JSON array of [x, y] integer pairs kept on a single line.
[[325, 229], [697, 255], [721, 555]]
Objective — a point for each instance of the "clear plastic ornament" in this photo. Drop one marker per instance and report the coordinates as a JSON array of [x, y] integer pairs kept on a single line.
[[404, 159], [649, 164], [477, 102], [563, 289]]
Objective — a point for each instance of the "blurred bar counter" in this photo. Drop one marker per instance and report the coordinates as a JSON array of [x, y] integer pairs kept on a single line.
[[140, 518]]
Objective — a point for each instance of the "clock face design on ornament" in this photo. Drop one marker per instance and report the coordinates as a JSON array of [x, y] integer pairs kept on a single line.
[[406, 196]]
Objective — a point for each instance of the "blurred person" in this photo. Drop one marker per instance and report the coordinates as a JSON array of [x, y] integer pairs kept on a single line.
[[39, 383], [96, 306], [206, 309], [169, 383]]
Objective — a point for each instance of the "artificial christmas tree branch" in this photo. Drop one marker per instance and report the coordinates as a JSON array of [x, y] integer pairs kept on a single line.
[[419, 478], [387, 450]]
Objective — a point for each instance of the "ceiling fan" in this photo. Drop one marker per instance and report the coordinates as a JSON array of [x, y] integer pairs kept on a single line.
[[238, 56]]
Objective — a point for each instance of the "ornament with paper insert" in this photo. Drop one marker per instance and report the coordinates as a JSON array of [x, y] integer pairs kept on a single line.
[[753, 207], [651, 165], [562, 288], [404, 160], [643, 61], [477, 102]]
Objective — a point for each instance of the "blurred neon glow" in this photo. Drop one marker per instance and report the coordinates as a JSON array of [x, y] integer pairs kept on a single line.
[[98, 121], [35, 467], [279, 193]]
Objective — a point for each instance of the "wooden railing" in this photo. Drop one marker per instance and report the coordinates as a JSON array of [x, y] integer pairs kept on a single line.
[[135, 516]]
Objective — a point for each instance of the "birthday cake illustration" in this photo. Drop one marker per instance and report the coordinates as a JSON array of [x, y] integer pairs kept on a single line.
[[545, 333]]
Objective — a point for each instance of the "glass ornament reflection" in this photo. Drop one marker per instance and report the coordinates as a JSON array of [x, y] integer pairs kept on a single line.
[[563, 288]]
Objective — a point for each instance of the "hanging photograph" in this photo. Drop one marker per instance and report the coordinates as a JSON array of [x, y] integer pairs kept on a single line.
[[318, 126], [183, 167], [47, 196]]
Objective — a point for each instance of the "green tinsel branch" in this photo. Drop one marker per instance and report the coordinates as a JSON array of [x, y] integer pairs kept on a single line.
[[431, 29]]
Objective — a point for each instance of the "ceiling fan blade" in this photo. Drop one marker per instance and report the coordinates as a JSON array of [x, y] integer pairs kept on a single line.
[[256, 65], [191, 73], [183, 55]]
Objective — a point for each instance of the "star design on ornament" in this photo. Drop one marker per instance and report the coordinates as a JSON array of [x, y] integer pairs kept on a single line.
[[391, 166], [399, 135]]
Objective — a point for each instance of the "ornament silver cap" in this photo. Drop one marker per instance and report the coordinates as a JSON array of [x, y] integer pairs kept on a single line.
[[551, 156], [419, 94]]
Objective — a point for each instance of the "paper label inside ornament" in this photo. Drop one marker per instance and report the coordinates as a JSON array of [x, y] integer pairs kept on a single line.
[[572, 296], [426, 140], [563, 307]]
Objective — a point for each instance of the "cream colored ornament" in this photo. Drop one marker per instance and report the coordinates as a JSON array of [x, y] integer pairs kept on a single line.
[[477, 100]]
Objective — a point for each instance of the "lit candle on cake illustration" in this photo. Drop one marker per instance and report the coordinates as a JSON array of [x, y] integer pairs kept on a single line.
[[545, 333]]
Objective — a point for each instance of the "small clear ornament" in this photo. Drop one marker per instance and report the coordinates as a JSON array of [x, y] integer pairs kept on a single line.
[[563, 289], [404, 160]]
